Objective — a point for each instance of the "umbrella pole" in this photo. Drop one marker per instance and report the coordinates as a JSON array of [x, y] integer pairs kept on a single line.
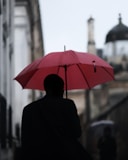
[[65, 69], [88, 109]]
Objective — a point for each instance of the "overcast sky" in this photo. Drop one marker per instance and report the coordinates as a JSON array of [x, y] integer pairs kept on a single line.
[[65, 22]]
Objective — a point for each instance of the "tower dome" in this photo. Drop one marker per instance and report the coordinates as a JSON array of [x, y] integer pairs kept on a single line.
[[119, 32]]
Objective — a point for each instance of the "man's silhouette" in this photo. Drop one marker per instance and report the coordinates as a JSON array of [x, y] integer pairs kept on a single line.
[[107, 145], [48, 124]]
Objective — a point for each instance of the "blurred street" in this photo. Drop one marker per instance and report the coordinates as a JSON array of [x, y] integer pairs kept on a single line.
[[6, 154]]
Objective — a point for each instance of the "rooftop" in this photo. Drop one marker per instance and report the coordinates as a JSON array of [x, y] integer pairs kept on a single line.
[[119, 32]]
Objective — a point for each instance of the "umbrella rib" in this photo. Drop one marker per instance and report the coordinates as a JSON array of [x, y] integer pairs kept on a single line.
[[30, 77], [108, 72], [84, 76]]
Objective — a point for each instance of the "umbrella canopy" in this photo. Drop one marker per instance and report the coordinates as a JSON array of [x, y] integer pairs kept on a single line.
[[97, 128], [102, 123], [79, 70]]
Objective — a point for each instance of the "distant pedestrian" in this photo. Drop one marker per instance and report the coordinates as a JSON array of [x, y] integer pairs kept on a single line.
[[107, 145]]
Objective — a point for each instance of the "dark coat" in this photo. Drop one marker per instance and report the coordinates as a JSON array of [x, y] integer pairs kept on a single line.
[[47, 125], [108, 148]]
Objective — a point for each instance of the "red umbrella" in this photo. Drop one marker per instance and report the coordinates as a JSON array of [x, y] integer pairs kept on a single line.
[[79, 70]]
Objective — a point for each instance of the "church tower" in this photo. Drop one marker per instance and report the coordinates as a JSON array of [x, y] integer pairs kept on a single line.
[[116, 46], [91, 42]]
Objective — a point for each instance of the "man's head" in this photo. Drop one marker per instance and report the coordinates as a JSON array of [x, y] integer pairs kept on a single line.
[[54, 85]]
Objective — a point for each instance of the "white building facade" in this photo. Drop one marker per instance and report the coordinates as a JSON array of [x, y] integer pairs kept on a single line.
[[21, 41], [6, 52]]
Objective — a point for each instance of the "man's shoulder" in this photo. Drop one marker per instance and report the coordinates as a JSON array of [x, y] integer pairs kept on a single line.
[[68, 100], [33, 105], [69, 104]]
